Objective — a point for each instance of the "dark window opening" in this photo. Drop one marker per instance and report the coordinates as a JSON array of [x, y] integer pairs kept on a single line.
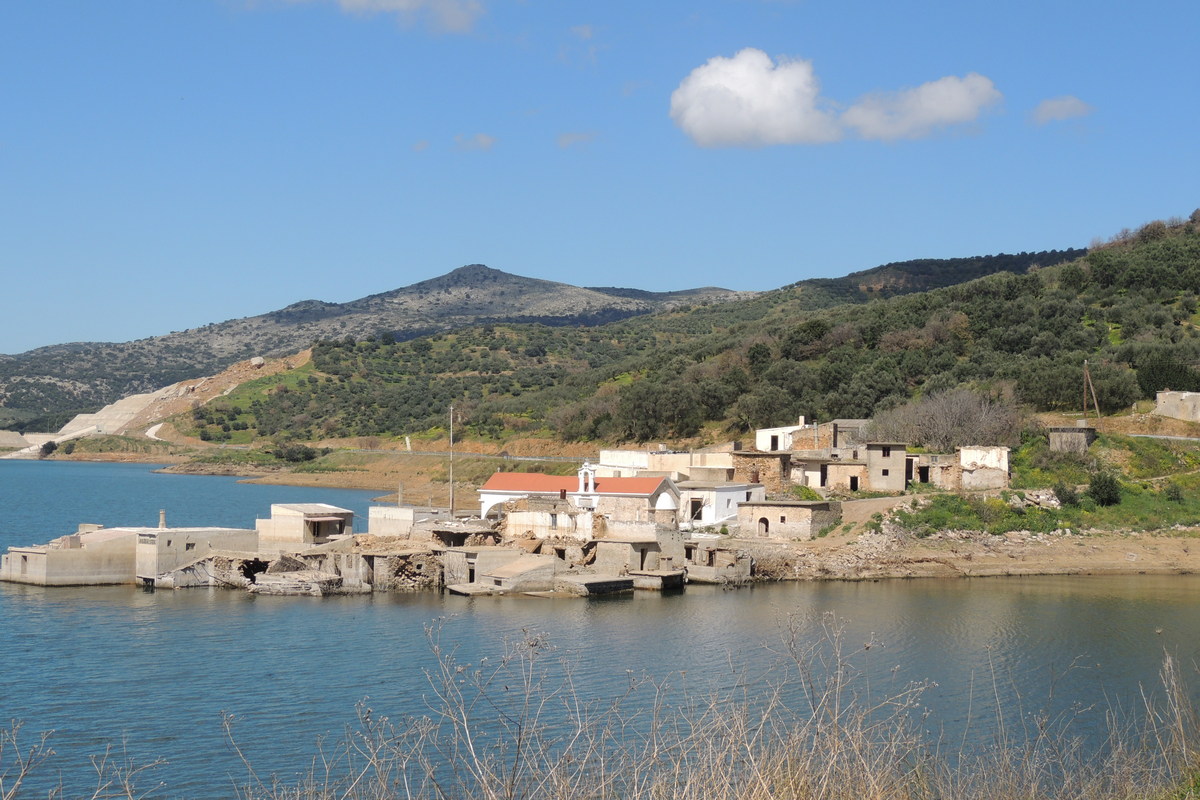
[[252, 568]]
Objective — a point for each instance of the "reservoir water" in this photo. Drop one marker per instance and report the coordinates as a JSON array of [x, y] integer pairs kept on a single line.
[[152, 672]]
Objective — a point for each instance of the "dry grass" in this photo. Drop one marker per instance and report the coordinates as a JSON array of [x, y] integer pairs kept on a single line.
[[520, 727]]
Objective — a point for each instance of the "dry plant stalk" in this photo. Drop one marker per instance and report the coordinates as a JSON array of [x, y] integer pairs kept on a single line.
[[812, 727]]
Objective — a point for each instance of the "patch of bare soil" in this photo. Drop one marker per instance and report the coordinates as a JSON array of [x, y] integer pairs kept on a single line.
[[202, 390], [1128, 424], [524, 446], [890, 554]]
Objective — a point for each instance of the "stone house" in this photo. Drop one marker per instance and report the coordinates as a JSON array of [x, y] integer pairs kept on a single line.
[[787, 519], [371, 562], [391, 520], [866, 466]]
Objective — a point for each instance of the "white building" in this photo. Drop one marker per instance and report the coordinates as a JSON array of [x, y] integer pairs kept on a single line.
[[298, 526], [788, 437], [632, 499], [704, 503]]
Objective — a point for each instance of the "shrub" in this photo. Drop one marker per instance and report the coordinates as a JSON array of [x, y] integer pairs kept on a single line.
[[1173, 492], [1066, 494], [806, 493], [1104, 489], [295, 453]]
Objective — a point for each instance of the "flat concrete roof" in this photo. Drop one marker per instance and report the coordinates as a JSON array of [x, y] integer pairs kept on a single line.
[[312, 508], [716, 485]]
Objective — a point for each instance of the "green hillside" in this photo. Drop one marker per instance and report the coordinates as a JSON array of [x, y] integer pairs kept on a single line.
[[1128, 308]]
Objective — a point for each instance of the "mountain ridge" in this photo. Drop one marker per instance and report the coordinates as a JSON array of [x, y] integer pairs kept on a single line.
[[81, 375]]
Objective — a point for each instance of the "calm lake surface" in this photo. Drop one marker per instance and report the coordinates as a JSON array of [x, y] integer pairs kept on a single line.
[[157, 669]]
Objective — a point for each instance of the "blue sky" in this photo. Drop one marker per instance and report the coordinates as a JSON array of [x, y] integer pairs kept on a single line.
[[169, 163]]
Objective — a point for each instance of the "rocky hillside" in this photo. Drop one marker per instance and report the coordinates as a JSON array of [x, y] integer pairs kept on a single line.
[[60, 380], [86, 375]]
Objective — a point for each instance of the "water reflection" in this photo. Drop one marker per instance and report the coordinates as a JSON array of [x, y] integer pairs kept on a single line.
[[159, 668]]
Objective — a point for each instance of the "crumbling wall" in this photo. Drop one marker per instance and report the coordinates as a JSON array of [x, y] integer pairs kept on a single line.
[[409, 572], [773, 472]]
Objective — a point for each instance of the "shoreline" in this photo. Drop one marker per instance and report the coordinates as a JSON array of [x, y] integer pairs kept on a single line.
[[857, 555]]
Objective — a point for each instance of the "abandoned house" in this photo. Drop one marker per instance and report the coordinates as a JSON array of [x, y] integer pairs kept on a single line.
[[708, 562], [298, 526], [94, 555], [704, 503], [788, 519], [1178, 405]]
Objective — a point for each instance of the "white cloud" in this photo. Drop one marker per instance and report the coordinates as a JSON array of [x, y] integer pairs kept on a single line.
[[749, 100], [420, 146], [574, 139], [480, 141], [584, 32], [1059, 108], [915, 113], [450, 15]]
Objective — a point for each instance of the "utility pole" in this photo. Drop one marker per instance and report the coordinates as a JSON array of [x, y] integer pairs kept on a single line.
[[451, 461], [1089, 386]]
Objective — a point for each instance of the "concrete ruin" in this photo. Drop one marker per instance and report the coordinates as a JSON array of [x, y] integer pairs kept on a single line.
[[710, 562], [1178, 405], [1072, 440], [298, 526]]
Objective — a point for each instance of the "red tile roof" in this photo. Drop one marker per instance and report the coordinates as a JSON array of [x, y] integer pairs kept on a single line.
[[537, 483]]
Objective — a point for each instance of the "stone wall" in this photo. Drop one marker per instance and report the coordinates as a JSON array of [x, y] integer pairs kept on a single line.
[[772, 471]]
